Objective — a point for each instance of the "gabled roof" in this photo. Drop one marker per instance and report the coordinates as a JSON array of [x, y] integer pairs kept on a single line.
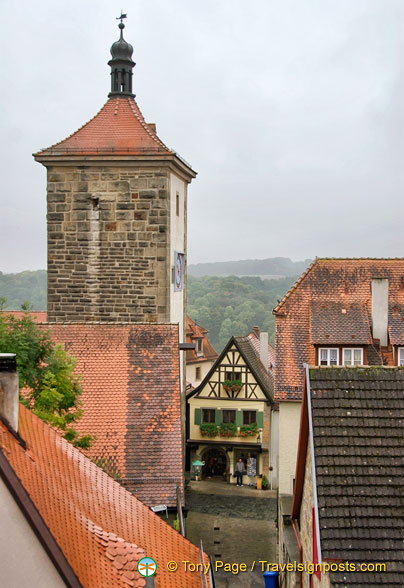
[[254, 339], [338, 323], [101, 528], [358, 434], [131, 401], [195, 331], [350, 263], [252, 360], [327, 287]]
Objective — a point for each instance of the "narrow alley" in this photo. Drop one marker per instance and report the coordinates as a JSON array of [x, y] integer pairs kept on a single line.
[[236, 526]]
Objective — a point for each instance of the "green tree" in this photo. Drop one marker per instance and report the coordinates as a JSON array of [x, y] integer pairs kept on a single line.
[[231, 305], [48, 384]]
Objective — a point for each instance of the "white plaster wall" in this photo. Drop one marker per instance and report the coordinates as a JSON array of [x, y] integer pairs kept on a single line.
[[274, 449], [177, 243], [23, 561], [191, 371], [289, 425]]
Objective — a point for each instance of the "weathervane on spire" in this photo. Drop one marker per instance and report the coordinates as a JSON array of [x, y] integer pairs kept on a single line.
[[121, 64], [122, 16]]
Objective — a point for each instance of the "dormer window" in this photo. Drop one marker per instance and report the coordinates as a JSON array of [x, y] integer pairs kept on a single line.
[[401, 356], [328, 356], [199, 346], [351, 356]]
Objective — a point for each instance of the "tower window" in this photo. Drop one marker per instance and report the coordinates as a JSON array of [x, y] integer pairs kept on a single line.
[[177, 204]]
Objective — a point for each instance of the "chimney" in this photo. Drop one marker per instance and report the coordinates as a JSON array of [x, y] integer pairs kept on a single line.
[[256, 331], [380, 309], [9, 390], [264, 350]]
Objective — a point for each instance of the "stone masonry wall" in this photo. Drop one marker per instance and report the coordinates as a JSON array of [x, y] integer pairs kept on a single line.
[[108, 235]]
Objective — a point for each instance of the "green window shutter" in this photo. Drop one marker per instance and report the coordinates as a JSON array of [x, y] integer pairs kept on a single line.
[[197, 416], [260, 420], [239, 418], [218, 416]]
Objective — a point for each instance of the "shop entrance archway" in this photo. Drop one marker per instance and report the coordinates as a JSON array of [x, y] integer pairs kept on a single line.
[[216, 462]]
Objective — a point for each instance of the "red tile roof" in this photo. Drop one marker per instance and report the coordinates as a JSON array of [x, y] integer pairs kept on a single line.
[[193, 332], [118, 128], [131, 401], [396, 324], [251, 352], [339, 323], [254, 339], [101, 528], [39, 316], [344, 282]]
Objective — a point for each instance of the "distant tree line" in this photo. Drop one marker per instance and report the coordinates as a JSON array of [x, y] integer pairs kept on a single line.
[[18, 288], [229, 306], [272, 267], [225, 306]]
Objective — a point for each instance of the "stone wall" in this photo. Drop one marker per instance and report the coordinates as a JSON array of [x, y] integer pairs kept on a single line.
[[108, 244]]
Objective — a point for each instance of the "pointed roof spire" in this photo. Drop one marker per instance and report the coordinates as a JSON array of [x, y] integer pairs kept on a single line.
[[121, 65]]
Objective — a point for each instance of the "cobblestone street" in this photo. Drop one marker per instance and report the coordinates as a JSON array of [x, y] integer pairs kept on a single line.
[[236, 525]]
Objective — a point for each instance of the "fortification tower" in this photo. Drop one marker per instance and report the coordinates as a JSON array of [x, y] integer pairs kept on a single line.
[[117, 214]]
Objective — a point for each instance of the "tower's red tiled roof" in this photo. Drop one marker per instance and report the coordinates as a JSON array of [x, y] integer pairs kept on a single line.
[[342, 283], [118, 128], [131, 401], [101, 528]]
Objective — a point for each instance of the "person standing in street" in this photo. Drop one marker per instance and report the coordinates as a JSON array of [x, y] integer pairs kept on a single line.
[[240, 469]]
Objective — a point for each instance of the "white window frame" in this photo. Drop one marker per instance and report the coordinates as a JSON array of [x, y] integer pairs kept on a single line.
[[400, 356], [328, 349], [199, 346], [352, 349]]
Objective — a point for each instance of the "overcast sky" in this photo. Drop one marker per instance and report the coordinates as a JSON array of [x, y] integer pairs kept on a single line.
[[290, 111]]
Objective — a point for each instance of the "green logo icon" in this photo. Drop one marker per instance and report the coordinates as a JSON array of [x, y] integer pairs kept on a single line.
[[146, 567]]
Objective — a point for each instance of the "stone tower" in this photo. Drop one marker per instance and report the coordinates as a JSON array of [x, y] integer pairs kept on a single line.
[[117, 214]]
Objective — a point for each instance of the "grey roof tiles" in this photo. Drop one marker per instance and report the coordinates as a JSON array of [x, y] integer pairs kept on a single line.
[[358, 427]]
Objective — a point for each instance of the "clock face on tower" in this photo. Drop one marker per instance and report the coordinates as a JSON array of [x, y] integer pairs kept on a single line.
[[178, 271]]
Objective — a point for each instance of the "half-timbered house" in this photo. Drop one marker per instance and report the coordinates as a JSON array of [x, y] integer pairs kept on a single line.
[[229, 413]]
